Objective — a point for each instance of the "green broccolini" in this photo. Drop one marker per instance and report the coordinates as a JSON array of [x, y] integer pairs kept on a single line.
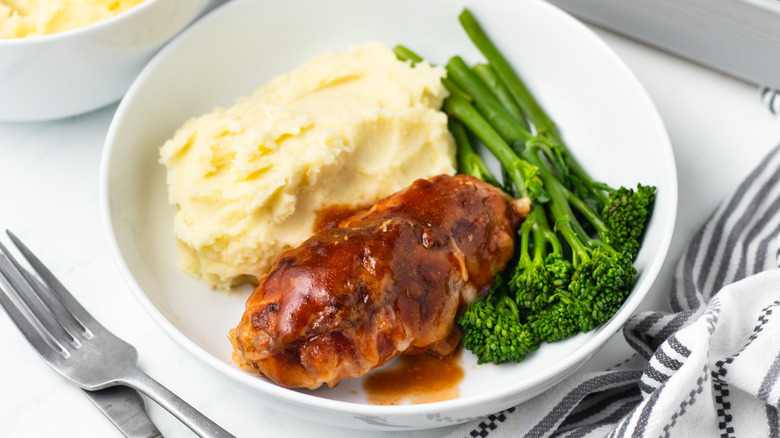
[[536, 279], [575, 252], [591, 283], [493, 330], [602, 276], [626, 216], [626, 211], [469, 162]]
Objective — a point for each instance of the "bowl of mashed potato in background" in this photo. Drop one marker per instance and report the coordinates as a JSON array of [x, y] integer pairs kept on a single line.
[[211, 166], [60, 58]]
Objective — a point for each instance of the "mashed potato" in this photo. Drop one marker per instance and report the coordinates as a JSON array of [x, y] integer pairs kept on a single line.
[[27, 18], [343, 129]]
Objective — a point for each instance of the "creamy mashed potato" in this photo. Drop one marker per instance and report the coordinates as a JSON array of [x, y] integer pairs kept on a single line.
[[28, 18], [343, 129]]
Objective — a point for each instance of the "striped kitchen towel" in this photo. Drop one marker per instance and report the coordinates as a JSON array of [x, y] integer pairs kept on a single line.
[[771, 98], [710, 368]]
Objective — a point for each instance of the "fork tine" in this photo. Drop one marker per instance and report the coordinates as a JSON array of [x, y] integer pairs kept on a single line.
[[47, 347], [67, 300], [65, 318], [41, 304]]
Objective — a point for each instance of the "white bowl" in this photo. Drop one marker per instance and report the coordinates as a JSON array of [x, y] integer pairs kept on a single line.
[[605, 115], [72, 72]]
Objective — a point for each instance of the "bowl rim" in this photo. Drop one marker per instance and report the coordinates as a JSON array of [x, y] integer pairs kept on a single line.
[[266, 387], [79, 31]]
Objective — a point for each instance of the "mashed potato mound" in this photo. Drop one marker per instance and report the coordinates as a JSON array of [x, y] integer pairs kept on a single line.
[[28, 18], [343, 129]]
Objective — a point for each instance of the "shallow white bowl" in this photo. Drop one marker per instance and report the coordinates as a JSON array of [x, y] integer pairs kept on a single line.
[[604, 114], [72, 72]]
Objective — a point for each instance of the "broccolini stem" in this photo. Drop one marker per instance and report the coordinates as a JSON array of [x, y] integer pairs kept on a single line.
[[504, 71], [526, 229], [485, 101], [405, 54], [544, 125], [543, 235], [469, 116], [553, 154], [488, 76], [521, 173], [586, 212], [565, 221], [540, 245], [469, 162]]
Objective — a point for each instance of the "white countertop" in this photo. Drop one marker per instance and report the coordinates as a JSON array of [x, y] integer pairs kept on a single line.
[[718, 126]]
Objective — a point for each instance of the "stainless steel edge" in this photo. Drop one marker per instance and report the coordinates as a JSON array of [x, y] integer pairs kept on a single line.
[[125, 408]]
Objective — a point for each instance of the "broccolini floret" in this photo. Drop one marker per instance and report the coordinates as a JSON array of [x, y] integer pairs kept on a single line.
[[602, 275], [493, 330], [537, 279], [561, 319], [626, 216]]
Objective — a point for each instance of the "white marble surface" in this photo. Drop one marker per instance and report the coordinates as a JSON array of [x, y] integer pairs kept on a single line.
[[48, 196]]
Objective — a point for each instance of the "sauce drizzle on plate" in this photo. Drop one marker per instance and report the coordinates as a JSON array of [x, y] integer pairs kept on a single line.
[[420, 378]]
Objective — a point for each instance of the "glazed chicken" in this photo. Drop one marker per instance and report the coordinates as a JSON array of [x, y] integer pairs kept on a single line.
[[387, 281]]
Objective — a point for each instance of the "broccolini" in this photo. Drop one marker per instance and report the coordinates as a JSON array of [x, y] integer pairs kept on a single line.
[[575, 249]]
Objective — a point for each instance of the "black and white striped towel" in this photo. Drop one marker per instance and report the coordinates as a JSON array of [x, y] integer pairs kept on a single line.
[[710, 369]]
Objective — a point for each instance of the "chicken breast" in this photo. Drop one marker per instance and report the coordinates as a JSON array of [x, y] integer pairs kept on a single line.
[[387, 281]]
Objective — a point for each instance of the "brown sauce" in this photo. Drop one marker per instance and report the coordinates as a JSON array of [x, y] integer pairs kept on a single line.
[[420, 378], [330, 217]]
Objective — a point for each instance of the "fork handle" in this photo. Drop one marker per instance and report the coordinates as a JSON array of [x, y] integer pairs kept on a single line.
[[191, 417]]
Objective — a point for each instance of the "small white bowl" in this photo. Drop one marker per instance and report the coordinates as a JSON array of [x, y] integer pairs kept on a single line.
[[72, 72], [604, 114]]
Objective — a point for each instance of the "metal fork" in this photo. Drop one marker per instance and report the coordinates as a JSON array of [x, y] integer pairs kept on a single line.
[[122, 405], [72, 342]]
